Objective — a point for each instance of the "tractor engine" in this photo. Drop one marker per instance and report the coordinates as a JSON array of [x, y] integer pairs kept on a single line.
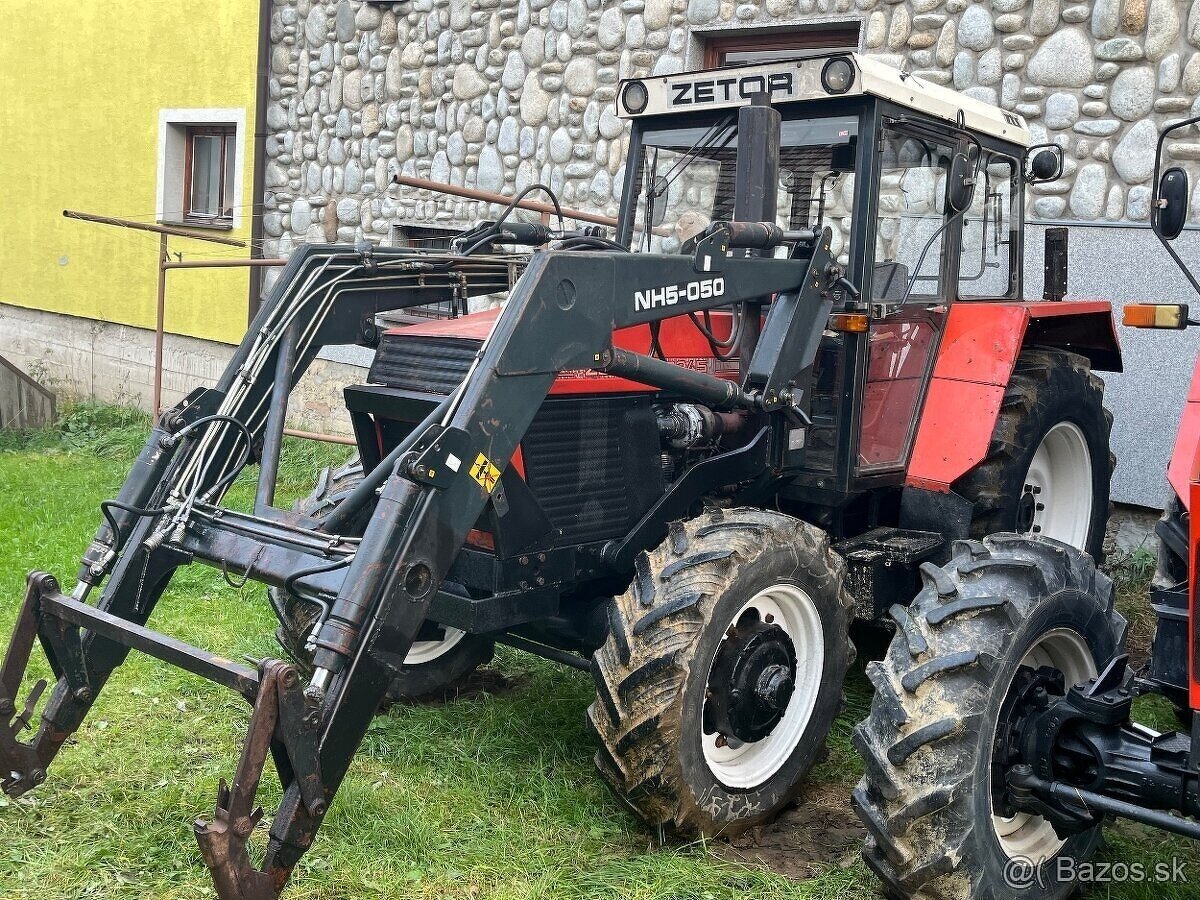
[[599, 452]]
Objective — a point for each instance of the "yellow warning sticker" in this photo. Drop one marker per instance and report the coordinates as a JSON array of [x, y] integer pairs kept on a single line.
[[485, 472]]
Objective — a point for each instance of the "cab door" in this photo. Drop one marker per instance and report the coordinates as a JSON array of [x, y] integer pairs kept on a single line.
[[913, 278]]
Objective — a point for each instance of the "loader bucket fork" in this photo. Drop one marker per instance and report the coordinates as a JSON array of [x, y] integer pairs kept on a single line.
[[427, 494]]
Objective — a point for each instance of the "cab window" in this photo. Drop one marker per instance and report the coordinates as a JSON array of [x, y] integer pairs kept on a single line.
[[687, 180], [987, 263], [910, 240]]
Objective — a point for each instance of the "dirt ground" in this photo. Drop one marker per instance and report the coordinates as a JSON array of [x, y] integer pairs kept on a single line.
[[818, 831]]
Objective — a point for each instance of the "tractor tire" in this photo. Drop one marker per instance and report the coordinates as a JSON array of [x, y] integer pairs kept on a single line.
[[719, 603], [927, 746], [1048, 466], [435, 665]]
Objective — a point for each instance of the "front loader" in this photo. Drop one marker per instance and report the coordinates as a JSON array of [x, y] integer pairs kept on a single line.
[[683, 455]]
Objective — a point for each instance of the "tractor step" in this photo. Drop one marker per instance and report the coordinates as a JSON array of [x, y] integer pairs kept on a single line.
[[882, 567], [497, 612]]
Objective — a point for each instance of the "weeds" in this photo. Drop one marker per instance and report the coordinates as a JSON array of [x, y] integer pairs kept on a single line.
[[99, 429], [1131, 574]]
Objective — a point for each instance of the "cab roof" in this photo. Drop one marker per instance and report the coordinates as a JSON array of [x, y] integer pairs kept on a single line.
[[800, 80]]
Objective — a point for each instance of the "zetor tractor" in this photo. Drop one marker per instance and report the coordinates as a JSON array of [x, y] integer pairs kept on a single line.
[[683, 455], [1000, 737]]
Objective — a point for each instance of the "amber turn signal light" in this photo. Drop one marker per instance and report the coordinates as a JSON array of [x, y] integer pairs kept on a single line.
[[1156, 315], [852, 322]]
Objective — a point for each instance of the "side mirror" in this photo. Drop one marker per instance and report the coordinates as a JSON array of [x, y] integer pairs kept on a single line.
[[960, 185], [659, 192], [1171, 204], [1044, 165]]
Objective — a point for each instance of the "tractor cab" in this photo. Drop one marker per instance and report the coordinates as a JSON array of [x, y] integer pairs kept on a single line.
[[921, 185], [922, 189]]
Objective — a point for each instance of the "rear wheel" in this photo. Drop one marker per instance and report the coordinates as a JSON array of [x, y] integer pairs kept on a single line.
[[439, 659], [722, 672], [933, 796], [1048, 467]]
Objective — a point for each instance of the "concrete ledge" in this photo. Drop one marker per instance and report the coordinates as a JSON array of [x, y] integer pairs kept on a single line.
[[86, 358]]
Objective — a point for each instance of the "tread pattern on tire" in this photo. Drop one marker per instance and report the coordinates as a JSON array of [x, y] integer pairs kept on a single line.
[[641, 670], [1036, 369], [919, 743]]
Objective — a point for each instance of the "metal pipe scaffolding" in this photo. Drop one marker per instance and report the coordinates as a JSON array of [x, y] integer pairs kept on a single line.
[[165, 263]]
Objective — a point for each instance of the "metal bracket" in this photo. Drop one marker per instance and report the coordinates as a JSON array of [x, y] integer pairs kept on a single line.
[[285, 723], [444, 457], [21, 764], [710, 251]]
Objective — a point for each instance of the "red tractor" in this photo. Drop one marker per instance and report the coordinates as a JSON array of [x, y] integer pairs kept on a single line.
[[683, 455], [1000, 737]]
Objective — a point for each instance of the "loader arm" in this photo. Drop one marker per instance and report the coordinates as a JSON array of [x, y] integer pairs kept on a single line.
[[561, 315]]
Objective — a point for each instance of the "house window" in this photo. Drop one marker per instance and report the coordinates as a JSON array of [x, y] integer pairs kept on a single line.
[[745, 47], [423, 237], [208, 176], [201, 167]]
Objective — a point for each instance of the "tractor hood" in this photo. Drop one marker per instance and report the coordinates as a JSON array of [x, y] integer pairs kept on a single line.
[[433, 357]]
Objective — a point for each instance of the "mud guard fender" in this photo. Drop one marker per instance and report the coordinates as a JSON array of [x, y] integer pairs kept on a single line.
[[975, 361]]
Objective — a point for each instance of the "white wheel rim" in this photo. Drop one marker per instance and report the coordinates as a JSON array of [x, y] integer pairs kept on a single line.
[[1060, 482], [750, 765], [422, 652], [1026, 835]]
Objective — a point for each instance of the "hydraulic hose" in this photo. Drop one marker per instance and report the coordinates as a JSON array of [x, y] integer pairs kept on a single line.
[[372, 481]]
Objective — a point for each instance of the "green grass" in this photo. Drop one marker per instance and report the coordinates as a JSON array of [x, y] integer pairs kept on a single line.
[[489, 796]]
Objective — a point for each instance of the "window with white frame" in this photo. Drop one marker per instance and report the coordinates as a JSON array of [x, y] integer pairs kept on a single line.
[[200, 166]]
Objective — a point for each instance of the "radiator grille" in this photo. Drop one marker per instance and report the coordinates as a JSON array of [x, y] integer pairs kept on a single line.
[[432, 365], [573, 463]]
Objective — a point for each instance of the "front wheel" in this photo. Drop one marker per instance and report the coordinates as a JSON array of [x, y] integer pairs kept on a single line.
[[722, 672], [933, 798]]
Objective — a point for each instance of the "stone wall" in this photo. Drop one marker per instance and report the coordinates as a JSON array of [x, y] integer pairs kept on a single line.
[[499, 93]]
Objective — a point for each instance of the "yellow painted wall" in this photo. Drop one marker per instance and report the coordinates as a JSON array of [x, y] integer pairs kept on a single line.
[[79, 129]]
